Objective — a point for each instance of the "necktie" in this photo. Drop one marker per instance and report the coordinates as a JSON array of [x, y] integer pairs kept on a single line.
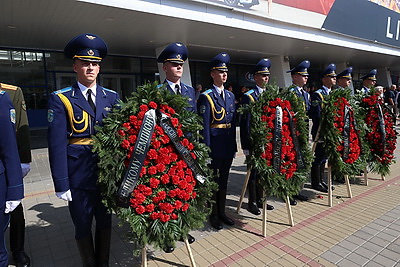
[[222, 94], [90, 100], [178, 90]]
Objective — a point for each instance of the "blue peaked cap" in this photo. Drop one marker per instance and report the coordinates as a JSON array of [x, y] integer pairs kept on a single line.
[[87, 47], [329, 71], [346, 73], [262, 67], [174, 52], [301, 68], [220, 62], [370, 75]]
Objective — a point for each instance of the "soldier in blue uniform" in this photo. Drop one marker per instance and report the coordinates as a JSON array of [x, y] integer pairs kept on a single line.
[[343, 79], [369, 81], [217, 108], [11, 186], [73, 113], [318, 166], [299, 78], [17, 219], [261, 77], [173, 57]]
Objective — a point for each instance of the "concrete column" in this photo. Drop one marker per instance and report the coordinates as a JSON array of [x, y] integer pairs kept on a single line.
[[186, 79], [383, 77], [279, 66]]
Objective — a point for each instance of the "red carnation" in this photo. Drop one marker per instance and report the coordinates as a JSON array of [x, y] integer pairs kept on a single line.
[[140, 209], [185, 207], [153, 105], [154, 182]]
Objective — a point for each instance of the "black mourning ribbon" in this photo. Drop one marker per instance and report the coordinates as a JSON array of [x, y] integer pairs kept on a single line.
[[346, 133], [137, 158], [90, 100], [277, 140], [151, 118], [165, 122], [382, 125], [293, 130], [177, 89]]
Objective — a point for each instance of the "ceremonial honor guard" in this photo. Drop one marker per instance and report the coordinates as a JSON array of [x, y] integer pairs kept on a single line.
[[73, 114], [173, 57], [261, 77], [17, 219], [217, 108], [344, 78], [299, 78], [369, 81], [11, 186], [318, 166]]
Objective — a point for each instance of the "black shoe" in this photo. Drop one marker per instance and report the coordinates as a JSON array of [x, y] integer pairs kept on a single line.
[[21, 259], [270, 207], [259, 204], [301, 197], [326, 186], [321, 188], [226, 220], [293, 202], [215, 222], [168, 249], [252, 208]]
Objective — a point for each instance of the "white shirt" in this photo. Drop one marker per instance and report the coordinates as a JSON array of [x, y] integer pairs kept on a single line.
[[84, 90], [172, 85], [327, 89], [219, 90], [260, 90]]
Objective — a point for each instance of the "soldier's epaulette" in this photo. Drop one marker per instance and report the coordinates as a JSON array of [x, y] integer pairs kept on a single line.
[[207, 92], [2, 92], [249, 92], [108, 90], [62, 90], [8, 86]]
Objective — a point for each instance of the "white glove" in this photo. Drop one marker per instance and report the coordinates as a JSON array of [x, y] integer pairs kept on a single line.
[[26, 167], [246, 152], [11, 205], [234, 155], [66, 195]]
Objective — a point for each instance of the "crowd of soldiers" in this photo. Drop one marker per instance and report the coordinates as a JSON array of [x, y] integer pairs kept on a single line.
[[74, 165]]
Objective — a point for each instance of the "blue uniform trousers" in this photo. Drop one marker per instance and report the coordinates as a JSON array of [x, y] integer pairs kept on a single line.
[[4, 220], [85, 205], [221, 167]]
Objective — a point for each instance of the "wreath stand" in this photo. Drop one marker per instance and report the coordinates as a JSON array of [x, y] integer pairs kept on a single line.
[[366, 176], [264, 212], [347, 182], [189, 250]]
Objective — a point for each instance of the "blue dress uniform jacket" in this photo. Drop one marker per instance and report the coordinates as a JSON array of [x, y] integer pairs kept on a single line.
[[248, 97], [74, 165], [11, 186], [316, 108], [305, 97], [218, 115], [189, 92]]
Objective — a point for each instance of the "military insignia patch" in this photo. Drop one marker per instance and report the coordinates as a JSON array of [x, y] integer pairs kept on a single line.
[[90, 37], [90, 52], [202, 109], [50, 115], [23, 105], [12, 115]]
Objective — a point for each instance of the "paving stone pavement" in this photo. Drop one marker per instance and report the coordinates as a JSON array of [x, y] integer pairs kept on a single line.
[[360, 231]]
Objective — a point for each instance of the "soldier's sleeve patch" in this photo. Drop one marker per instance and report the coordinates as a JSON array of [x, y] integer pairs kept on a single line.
[[50, 115], [202, 109], [12, 115], [23, 105]]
